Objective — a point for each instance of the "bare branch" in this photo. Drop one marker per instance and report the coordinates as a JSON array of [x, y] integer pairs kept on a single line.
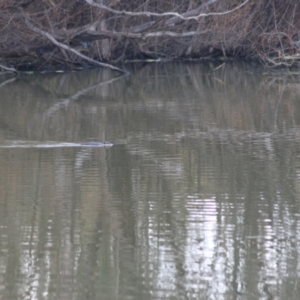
[[166, 14], [65, 47], [94, 35], [13, 70], [100, 31]]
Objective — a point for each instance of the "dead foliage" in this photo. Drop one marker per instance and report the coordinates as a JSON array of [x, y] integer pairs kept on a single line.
[[68, 34]]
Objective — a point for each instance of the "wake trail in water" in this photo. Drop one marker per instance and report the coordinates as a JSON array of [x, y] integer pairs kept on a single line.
[[21, 144]]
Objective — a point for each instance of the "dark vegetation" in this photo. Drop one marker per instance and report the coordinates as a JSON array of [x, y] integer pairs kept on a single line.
[[46, 35]]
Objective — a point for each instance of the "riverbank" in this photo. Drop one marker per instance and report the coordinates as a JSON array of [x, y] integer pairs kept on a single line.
[[49, 36]]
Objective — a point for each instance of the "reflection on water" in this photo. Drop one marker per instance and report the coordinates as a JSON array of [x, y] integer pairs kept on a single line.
[[197, 199]]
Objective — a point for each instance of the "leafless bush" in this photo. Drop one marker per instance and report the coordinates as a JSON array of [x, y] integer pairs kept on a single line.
[[41, 34]]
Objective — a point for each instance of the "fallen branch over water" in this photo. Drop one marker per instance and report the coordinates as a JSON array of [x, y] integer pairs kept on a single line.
[[68, 48], [8, 69]]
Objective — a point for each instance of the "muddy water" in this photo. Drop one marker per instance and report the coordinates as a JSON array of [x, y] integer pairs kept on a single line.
[[198, 198]]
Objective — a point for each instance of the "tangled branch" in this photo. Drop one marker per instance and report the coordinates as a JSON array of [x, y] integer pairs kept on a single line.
[[68, 34]]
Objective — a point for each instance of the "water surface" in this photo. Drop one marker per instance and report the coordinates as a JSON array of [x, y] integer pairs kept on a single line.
[[198, 198]]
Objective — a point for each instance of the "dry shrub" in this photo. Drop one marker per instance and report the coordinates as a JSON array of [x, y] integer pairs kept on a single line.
[[267, 30]]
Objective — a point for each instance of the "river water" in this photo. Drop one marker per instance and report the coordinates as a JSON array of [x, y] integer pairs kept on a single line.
[[198, 198]]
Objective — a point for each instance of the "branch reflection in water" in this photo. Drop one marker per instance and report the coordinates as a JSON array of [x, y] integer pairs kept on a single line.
[[197, 198]]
